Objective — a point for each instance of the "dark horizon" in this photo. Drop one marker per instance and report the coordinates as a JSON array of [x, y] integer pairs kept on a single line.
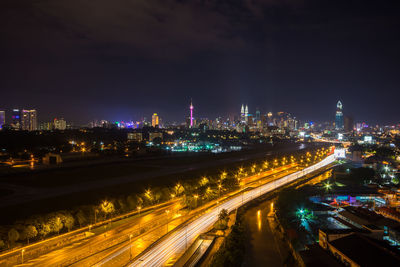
[[85, 60]]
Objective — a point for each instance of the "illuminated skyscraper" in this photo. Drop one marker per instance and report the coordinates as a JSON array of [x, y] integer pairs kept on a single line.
[[16, 119], [258, 115], [2, 118], [60, 124], [246, 112], [191, 114], [155, 120], [339, 123], [29, 120], [242, 113], [270, 119]]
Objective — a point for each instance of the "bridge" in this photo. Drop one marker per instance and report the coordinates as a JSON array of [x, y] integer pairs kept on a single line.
[[171, 246]]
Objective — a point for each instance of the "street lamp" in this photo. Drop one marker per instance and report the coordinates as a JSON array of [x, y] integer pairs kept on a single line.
[[95, 212], [223, 175], [22, 255], [130, 246], [219, 190], [167, 211], [195, 200]]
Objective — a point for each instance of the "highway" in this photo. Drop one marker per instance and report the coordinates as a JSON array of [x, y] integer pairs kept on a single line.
[[121, 255], [86, 252], [175, 244], [92, 250], [113, 248]]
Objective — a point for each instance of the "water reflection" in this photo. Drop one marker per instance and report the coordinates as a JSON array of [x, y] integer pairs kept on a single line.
[[259, 220]]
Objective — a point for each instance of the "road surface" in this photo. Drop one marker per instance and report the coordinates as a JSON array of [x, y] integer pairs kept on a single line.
[[176, 243]]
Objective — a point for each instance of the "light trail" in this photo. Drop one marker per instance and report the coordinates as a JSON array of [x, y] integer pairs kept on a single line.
[[179, 240]]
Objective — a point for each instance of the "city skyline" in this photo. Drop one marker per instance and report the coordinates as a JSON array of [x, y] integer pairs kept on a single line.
[[243, 114]]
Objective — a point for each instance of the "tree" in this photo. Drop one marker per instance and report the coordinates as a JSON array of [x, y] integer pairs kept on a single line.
[[209, 193], [44, 230], [68, 221], [55, 224], [13, 236], [204, 181], [20, 227], [178, 189], [223, 215], [81, 217], [122, 205], [107, 207], [35, 220], [30, 232], [131, 200], [149, 196]]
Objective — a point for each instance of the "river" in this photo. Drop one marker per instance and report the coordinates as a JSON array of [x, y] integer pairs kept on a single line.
[[265, 246]]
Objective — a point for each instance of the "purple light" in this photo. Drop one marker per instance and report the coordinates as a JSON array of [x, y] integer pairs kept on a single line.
[[191, 114]]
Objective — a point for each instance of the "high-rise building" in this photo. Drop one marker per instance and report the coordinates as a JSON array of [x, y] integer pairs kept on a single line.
[[2, 118], [270, 119], [339, 123], [191, 114], [29, 120], [16, 119], [46, 126], [60, 124], [244, 114], [258, 115], [155, 120], [348, 124]]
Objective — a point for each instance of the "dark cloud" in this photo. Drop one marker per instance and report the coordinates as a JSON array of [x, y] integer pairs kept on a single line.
[[127, 58]]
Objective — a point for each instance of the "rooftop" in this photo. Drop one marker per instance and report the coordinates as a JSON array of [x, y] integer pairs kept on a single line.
[[315, 256], [365, 251]]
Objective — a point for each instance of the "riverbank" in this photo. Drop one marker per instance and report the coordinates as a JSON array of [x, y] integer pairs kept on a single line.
[[255, 224]]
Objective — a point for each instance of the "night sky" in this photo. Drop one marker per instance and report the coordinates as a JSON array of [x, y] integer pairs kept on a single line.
[[125, 59]]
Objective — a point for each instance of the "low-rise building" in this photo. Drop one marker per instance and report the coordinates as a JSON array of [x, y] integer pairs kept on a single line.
[[358, 250], [137, 137]]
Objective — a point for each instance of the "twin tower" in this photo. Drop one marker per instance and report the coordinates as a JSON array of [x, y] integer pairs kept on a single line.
[[244, 113]]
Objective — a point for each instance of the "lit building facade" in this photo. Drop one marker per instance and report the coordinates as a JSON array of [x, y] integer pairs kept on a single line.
[[137, 137], [60, 124], [29, 120], [2, 118], [155, 120], [270, 119], [16, 119], [46, 126], [339, 121], [244, 113], [191, 114]]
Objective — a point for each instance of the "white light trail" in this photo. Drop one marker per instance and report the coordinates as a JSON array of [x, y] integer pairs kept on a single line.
[[183, 236]]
